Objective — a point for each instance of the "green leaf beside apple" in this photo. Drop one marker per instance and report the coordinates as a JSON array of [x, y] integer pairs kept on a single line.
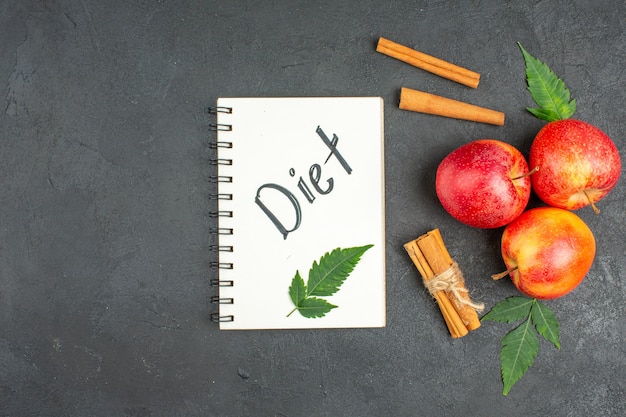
[[548, 91], [565, 146], [562, 147], [520, 346], [547, 250]]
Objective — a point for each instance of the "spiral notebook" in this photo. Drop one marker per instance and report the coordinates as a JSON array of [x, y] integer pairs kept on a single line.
[[299, 213]]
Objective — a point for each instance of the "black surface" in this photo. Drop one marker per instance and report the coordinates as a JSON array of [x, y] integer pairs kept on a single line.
[[104, 228]]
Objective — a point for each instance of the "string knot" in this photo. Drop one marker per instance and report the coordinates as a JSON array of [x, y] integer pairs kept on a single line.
[[451, 281]]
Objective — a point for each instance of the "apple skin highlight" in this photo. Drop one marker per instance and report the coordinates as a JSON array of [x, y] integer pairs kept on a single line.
[[578, 164], [550, 251], [484, 183]]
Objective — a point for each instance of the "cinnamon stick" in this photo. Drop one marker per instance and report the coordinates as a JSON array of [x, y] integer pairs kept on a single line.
[[428, 63], [445, 282], [422, 102], [435, 250], [450, 315]]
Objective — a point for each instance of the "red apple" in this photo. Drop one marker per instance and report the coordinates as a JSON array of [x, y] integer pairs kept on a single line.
[[484, 183], [548, 251], [578, 164]]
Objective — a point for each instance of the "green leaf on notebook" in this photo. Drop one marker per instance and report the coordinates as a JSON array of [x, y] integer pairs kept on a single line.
[[313, 307], [547, 90], [297, 291], [325, 278]]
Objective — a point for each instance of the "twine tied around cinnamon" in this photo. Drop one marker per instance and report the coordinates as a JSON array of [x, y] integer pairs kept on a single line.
[[444, 281], [451, 280]]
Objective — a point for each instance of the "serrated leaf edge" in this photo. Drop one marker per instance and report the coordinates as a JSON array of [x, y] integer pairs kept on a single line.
[[550, 333], [543, 316], [499, 310], [520, 345], [297, 290], [549, 92], [297, 282], [322, 306], [351, 259]]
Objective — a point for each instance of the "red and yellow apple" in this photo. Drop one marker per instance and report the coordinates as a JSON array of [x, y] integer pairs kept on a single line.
[[578, 164], [548, 251], [483, 183]]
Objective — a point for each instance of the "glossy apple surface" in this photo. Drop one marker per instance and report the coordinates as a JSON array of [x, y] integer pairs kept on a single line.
[[483, 183], [578, 164], [548, 251]]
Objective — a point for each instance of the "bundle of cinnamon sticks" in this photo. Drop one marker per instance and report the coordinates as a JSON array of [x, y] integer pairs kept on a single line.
[[444, 280], [419, 101]]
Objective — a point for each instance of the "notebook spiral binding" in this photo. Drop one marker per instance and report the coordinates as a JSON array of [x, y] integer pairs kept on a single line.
[[216, 249]]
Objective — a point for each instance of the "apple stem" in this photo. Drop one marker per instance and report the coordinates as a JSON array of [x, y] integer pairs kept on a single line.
[[529, 173], [593, 206], [501, 275]]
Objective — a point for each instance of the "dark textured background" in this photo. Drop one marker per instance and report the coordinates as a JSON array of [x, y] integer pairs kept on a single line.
[[104, 232]]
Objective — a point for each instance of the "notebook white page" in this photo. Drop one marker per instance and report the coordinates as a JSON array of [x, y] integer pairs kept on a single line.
[[316, 165]]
